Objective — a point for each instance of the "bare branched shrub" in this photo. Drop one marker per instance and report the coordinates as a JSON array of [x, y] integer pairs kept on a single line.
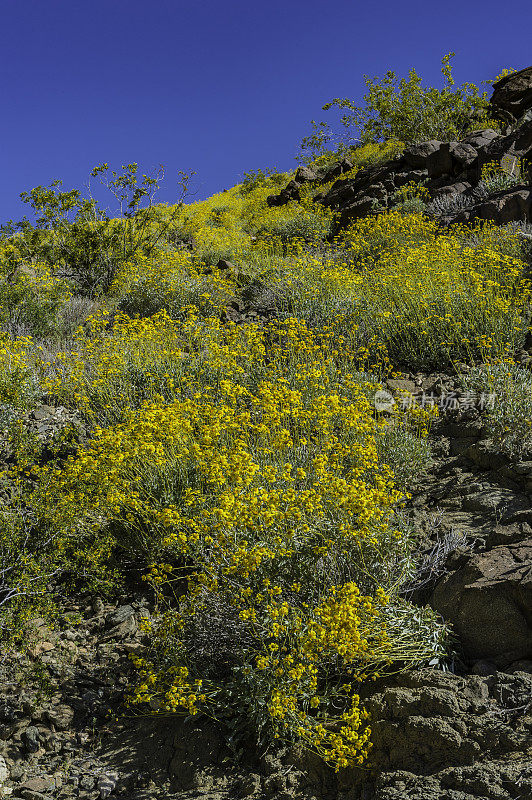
[[431, 565]]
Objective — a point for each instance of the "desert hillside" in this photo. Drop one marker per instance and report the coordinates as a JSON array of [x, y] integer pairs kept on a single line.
[[266, 470]]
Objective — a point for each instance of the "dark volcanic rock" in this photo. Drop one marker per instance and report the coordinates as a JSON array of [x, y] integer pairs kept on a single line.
[[517, 144], [505, 207], [304, 175], [343, 166], [512, 96], [481, 139], [417, 154], [489, 602], [290, 192]]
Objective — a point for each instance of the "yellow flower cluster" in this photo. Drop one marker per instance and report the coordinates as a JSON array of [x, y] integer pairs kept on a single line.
[[18, 365], [410, 295], [245, 464], [257, 482]]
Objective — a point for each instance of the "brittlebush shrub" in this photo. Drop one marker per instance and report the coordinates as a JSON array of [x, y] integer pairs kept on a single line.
[[248, 475], [31, 296], [508, 416], [170, 281], [18, 374], [27, 561], [400, 292]]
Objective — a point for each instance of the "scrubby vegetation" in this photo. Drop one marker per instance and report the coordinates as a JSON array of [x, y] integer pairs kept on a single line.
[[237, 469], [402, 111]]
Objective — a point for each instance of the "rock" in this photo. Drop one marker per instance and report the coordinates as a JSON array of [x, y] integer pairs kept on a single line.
[[512, 95], [290, 192], [18, 773], [34, 788], [304, 175], [60, 716], [516, 144], [417, 154], [440, 161], [484, 668], [452, 188], [345, 165], [509, 534], [107, 783], [8, 710], [489, 603], [450, 157], [98, 606], [397, 385], [439, 736], [402, 178], [87, 782], [122, 614], [508, 206], [481, 139], [229, 269], [30, 738], [4, 772], [463, 154], [495, 502], [486, 455], [356, 210]]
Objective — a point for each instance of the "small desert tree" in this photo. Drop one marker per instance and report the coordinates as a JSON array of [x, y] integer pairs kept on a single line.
[[405, 111], [80, 240]]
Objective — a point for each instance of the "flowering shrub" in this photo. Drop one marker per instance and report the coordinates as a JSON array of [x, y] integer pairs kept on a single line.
[[408, 295], [510, 420], [260, 495], [31, 297], [243, 469], [169, 281], [406, 111], [18, 379]]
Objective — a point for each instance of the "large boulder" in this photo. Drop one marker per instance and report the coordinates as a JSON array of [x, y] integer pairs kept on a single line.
[[286, 195], [481, 139], [340, 168], [517, 144], [450, 158], [512, 96], [508, 206], [417, 154], [488, 600], [305, 175]]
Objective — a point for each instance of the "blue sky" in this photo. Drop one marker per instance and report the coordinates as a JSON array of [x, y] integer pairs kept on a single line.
[[216, 86]]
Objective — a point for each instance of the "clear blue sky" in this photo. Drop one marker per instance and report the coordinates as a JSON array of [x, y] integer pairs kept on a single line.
[[216, 86]]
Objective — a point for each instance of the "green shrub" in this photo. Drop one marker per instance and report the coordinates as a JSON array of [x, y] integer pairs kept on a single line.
[[304, 225], [257, 179], [31, 301], [406, 111], [76, 239]]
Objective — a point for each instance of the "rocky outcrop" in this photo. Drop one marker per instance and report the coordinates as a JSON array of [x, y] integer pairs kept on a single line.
[[291, 191], [488, 600], [450, 171], [442, 737], [512, 96]]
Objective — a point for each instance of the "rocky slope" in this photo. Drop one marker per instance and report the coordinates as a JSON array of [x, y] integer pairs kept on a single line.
[[464, 734]]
